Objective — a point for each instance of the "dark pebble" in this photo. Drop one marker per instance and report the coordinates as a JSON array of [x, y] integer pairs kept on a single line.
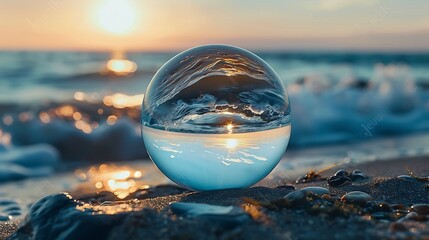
[[416, 217], [356, 197], [296, 198], [341, 173], [336, 181], [411, 215], [358, 176], [421, 209]]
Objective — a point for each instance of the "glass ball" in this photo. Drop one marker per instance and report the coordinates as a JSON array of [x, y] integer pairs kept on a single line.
[[216, 117]]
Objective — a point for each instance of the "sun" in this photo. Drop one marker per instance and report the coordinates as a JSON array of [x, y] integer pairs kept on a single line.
[[116, 16]]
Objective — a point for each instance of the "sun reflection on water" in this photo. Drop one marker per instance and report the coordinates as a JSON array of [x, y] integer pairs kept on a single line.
[[121, 181]]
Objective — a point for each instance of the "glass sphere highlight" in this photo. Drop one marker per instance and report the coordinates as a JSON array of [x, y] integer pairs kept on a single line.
[[216, 117]]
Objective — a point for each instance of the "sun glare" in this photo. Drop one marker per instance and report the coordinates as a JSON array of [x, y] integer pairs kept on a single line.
[[116, 16], [231, 143]]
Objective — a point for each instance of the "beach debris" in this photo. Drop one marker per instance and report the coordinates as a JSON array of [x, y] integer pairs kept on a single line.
[[311, 176], [356, 197]]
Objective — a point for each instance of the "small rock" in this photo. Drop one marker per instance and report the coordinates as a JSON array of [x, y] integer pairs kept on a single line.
[[296, 198], [411, 215], [341, 173], [421, 209], [336, 181], [358, 176], [356, 197], [226, 216], [416, 217]]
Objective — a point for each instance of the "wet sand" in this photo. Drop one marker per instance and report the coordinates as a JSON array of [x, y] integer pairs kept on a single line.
[[315, 219]]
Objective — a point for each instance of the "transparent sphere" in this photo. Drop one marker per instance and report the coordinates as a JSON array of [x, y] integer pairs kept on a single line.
[[216, 117]]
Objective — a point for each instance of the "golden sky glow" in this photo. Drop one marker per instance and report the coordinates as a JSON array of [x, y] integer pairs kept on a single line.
[[175, 25]]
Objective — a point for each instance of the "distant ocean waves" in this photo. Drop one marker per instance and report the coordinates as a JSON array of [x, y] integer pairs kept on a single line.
[[61, 99]]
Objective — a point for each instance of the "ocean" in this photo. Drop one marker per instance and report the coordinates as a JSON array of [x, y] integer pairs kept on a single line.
[[335, 97], [65, 115]]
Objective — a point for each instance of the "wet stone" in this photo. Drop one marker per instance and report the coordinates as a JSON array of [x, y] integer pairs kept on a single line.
[[229, 216], [421, 209], [416, 217], [341, 173], [336, 181], [356, 197], [296, 198], [407, 178], [411, 215], [358, 176]]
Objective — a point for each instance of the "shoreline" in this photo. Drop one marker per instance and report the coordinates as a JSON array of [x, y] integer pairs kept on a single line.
[[382, 186]]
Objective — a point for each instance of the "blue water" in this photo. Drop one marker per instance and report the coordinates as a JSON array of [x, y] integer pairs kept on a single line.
[[335, 97]]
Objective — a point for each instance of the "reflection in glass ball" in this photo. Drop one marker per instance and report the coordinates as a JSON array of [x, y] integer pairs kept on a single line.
[[216, 117]]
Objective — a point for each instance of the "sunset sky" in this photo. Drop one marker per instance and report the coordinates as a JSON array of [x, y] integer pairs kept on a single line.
[[175, 25]]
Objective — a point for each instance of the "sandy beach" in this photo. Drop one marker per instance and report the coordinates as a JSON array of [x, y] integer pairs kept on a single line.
[[260, 211]]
